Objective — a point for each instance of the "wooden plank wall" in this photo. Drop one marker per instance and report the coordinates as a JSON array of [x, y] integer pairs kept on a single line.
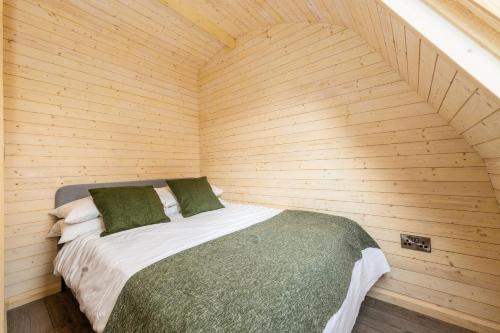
[[464, 103], [309, 116], [3, 322], [103, 91], [447, 88], [94, 92]]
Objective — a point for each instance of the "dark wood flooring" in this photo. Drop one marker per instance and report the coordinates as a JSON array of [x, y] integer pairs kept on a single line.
[[60, 313]]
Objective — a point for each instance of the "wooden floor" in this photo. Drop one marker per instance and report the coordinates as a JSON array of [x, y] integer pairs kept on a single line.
[[60, 313]]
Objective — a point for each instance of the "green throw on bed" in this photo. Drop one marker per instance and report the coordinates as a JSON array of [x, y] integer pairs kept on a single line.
[[290, 273]]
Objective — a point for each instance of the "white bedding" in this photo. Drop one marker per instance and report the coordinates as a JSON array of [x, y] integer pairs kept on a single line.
[[96, 269]]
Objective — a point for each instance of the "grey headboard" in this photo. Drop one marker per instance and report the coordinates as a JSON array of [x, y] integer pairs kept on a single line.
[[73, 192]]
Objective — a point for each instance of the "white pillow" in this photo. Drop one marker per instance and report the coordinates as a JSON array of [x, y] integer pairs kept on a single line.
[[168, 200], [166, 197], [217, 190], [55, 231], [172, 210], [77, 211], [72, 231]]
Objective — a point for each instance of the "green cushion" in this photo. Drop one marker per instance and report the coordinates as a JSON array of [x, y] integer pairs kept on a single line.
[[194, 195], [128, 207]]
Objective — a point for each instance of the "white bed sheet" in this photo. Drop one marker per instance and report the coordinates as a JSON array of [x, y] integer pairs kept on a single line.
[[96, 269]]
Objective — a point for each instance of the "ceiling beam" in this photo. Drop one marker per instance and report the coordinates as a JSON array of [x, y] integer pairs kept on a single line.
[[201, 21]]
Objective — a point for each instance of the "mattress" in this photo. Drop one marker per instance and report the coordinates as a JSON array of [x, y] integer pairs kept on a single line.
[[96, 269]]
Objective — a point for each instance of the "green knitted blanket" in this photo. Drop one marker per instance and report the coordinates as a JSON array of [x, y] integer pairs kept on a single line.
[[290, 273]]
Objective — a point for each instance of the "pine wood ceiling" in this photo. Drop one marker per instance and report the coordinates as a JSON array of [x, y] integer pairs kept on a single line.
[[161, 28], [463, 102], [243, 16]]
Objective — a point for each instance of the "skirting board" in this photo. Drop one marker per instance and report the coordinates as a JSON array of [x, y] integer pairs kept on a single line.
[[32, 295], [435, 311]]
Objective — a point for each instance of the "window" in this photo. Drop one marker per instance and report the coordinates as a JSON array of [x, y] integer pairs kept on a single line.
[[478, 18]]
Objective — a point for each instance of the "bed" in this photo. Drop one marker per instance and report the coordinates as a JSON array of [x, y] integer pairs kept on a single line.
[[239, 268]]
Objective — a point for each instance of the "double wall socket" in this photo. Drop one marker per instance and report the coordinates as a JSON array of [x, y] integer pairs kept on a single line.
[[417, 243]]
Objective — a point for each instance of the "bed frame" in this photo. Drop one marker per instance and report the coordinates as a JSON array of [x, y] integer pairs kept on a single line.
[[70, 193]]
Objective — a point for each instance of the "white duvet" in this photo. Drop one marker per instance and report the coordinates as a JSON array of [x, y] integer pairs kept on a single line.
[[96, 269]]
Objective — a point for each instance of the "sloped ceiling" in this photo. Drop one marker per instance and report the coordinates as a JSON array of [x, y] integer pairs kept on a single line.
[[463, 102], [161, 28]]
